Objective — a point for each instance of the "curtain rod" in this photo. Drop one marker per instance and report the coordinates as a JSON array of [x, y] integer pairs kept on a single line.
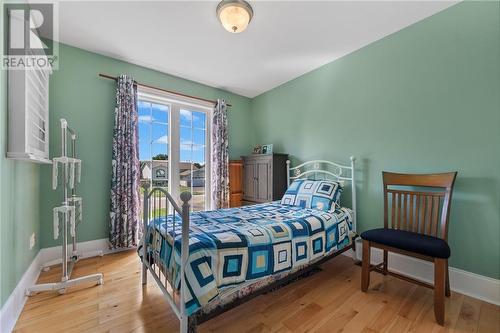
[[161, 89]]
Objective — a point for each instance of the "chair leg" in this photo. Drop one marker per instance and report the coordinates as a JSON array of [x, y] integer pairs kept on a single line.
[[447, 290], [386, 262], [365, 271], [439, 289]]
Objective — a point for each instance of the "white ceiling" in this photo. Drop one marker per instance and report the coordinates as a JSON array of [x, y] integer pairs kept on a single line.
[[284, 40]]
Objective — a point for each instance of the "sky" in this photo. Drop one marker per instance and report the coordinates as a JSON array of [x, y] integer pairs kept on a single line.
[[154, 133]]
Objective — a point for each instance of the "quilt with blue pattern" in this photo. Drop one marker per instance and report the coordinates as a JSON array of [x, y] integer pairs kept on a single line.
[[229, 247]]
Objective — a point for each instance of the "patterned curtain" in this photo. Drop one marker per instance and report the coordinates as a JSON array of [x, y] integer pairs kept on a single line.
[[124, 207], [220, 157]]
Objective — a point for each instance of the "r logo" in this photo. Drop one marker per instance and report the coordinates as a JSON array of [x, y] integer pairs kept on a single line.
[[27, 24]]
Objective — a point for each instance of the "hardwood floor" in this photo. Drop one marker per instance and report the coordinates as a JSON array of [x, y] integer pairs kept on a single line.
[[328, 301]]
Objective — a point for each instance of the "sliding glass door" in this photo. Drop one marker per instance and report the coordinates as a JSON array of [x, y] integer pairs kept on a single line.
[[174, 147]]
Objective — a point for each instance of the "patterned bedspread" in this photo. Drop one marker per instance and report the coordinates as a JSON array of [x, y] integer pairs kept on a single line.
[[229, 247]]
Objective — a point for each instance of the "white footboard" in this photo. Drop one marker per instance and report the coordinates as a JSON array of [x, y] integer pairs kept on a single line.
[[157, 203]]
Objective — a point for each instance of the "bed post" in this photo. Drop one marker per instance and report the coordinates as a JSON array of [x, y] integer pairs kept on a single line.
[[145, 218], [353, 193], [287, 173], [185, 197]]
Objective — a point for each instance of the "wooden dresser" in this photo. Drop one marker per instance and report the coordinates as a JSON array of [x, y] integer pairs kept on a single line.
[[264, 177], [235, 183]]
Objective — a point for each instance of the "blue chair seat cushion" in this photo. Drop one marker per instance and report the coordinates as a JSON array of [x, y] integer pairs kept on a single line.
[[409, 241]]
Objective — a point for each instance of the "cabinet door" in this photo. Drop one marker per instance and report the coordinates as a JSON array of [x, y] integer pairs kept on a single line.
[[249, 180], [263, 180], [235, 177], [235, 183]]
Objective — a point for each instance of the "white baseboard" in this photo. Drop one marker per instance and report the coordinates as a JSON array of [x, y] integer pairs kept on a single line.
[[98, 247], [474, 285], [14, 305]]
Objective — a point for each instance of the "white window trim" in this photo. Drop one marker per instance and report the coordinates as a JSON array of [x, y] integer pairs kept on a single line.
[[175, 103]]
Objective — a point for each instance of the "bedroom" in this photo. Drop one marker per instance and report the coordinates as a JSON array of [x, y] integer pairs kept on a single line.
[[170, 91]]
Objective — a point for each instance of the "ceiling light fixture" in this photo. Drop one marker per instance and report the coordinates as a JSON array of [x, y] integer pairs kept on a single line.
[[235, 15]]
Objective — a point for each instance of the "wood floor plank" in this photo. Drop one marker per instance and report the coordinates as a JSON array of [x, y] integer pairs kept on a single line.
[[468, 319], [328, 301], [337, 322], [489, 319], [365, 314], [453, 305]]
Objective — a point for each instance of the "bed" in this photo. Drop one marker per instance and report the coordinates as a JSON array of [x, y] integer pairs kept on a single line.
[[238, 253]]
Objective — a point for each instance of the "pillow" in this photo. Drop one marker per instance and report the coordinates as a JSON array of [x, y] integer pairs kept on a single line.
[[315, 194]]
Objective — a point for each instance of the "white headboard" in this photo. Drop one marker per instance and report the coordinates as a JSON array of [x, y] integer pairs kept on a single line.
[[321, 169]]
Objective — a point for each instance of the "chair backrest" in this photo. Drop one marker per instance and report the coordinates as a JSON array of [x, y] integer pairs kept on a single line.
[[424, 211]]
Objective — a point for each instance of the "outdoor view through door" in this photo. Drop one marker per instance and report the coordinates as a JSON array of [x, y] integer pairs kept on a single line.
[[173, 147]]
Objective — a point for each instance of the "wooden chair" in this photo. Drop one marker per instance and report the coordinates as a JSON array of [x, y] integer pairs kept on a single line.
[[417, 227]]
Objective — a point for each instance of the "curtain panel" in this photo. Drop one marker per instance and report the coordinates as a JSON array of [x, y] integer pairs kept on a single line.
[[220, 157], [124, 206]]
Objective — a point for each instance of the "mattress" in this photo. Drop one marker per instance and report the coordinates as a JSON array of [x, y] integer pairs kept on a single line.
[[234, 251]]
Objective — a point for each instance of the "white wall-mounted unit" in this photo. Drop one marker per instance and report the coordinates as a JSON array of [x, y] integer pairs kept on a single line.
[[28, 100], [29, 114]]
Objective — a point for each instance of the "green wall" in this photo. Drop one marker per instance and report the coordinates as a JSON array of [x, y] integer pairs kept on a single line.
[[425, 99], [19, 209], [87, 102]]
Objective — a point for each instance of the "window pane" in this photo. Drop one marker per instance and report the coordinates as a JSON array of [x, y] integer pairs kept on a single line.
[[199, 137], [186, 118], [145, 172], [186, 136], [144, 111], [160, 113], [144, 132], [143, 105], [192, 179], [198, 187], [144, 151], [160, 173], [198, 201], [160, 107], [185, 155], [144, 142], [159, 133], [159, 151], [198, 154], [185, 171], [199, 120]]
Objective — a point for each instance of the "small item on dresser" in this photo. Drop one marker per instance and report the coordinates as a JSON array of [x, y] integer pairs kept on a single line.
[[267, 149], [257, 149]]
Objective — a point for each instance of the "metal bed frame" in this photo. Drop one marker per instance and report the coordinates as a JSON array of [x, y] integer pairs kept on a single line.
[[156, 204]]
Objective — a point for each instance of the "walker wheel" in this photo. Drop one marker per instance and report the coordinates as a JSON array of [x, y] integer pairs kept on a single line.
[[62, 291]]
